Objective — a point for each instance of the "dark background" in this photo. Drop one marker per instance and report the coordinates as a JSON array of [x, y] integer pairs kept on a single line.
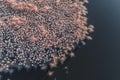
[[99, 59]]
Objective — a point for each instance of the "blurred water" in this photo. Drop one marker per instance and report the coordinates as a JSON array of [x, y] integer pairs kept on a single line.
[[100, 58]]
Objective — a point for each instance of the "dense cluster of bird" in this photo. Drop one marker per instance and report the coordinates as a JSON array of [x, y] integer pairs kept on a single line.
[[40, 32]]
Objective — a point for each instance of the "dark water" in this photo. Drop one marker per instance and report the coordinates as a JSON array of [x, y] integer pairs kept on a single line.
[[100, 58]]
